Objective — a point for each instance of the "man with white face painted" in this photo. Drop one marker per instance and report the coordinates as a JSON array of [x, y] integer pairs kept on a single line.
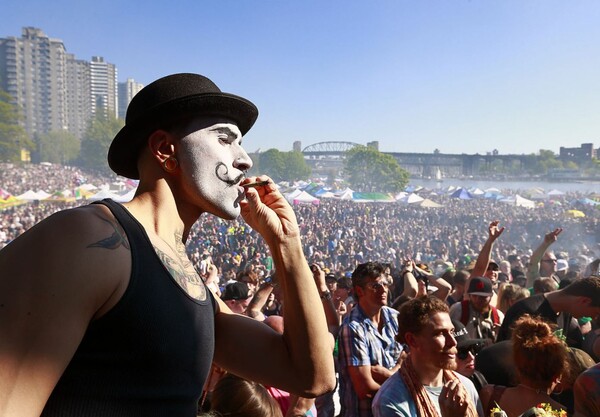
[[101, 311]]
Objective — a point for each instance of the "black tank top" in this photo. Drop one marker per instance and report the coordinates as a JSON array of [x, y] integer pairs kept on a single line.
[[149, 355]]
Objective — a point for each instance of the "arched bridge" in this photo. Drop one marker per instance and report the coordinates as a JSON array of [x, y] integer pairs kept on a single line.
[[330, 155], [328, 148]]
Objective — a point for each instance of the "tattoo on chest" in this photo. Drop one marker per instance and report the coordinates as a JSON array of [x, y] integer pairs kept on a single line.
[[183, 272]]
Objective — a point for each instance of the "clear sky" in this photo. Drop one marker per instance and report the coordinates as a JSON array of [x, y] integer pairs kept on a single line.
[[459, 76]]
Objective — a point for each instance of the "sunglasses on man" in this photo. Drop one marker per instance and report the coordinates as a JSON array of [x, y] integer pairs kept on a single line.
[[377, 286], [463, 352]]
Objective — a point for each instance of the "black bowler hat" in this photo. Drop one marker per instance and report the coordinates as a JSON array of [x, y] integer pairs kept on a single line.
[[168, 100]]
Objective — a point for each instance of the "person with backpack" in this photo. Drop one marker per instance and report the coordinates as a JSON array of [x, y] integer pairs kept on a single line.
[[481, 319]]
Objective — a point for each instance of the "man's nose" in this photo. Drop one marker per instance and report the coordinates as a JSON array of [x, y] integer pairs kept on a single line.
[[243, 162]]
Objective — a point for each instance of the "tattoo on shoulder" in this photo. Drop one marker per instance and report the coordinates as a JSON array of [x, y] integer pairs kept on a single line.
[[115, 240]]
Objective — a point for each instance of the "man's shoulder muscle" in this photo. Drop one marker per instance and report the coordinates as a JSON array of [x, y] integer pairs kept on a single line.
[[55, 279], [82, 249]]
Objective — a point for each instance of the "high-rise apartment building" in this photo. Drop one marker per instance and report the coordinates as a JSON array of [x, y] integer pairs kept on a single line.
[[79, 110], [33, 72], [53, 89], [103, 83], [127, 90]]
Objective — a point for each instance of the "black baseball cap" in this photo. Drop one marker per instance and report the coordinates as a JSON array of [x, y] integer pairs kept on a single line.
[[236, 291]]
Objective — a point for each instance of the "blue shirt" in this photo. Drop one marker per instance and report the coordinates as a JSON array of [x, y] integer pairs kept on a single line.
[[394, 400], [360, 344]]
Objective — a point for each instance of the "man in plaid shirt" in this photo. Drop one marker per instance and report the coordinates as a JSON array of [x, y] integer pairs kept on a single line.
[[368, 351]]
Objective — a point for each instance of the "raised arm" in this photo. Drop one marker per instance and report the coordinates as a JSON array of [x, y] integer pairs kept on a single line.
[[300, 360], [259, 300], [55, 279], [483, 259], [411, 286], [443, 286], [331, 312], [533, 269]]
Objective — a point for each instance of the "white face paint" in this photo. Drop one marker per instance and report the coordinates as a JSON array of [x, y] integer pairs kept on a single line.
[[212, 164]]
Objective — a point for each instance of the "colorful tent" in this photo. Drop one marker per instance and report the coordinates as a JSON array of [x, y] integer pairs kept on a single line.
[[346, 194], [4, 195], [290, 196], [462, 194], [373, 197], [10, 201], [585, 201]]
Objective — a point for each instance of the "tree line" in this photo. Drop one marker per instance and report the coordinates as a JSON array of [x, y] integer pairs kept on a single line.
[[365, 168]]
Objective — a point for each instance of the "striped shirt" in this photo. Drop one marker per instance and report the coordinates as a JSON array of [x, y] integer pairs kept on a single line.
[[360, 344]]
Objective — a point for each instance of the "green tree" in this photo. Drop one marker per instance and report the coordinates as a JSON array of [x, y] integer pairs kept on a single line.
[[546, 160], [570, 165], [59, 146], [272, 163], [282, 166], [97, 139], [13, 137], [296, 167], [369, 170]]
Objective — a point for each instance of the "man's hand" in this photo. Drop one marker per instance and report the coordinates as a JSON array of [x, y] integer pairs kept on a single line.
[[494, 231], [319, 277], [453, 399], [342, 309], [266, 211], [551, 237]]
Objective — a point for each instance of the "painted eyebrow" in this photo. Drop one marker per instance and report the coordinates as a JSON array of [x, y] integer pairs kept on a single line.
[[226, 131]]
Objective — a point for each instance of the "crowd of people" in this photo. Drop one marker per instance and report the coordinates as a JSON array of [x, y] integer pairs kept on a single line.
[[344, 233], [477, 267]]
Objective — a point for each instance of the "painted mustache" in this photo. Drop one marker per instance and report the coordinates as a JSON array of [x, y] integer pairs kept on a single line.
[[222, 173]]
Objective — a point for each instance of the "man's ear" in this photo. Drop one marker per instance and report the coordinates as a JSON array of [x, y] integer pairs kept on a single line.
[[411, 340], [162, 145], [359, 291], [584, 301]]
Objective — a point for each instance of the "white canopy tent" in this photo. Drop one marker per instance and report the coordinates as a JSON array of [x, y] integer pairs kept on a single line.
[[518, 201], [304, 198], [102, 194], [346, 194], [411, 199], [31, 195]]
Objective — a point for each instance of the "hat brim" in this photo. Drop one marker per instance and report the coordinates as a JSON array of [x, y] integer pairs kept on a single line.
[[125, 147], [481, 294], [470, 342]]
